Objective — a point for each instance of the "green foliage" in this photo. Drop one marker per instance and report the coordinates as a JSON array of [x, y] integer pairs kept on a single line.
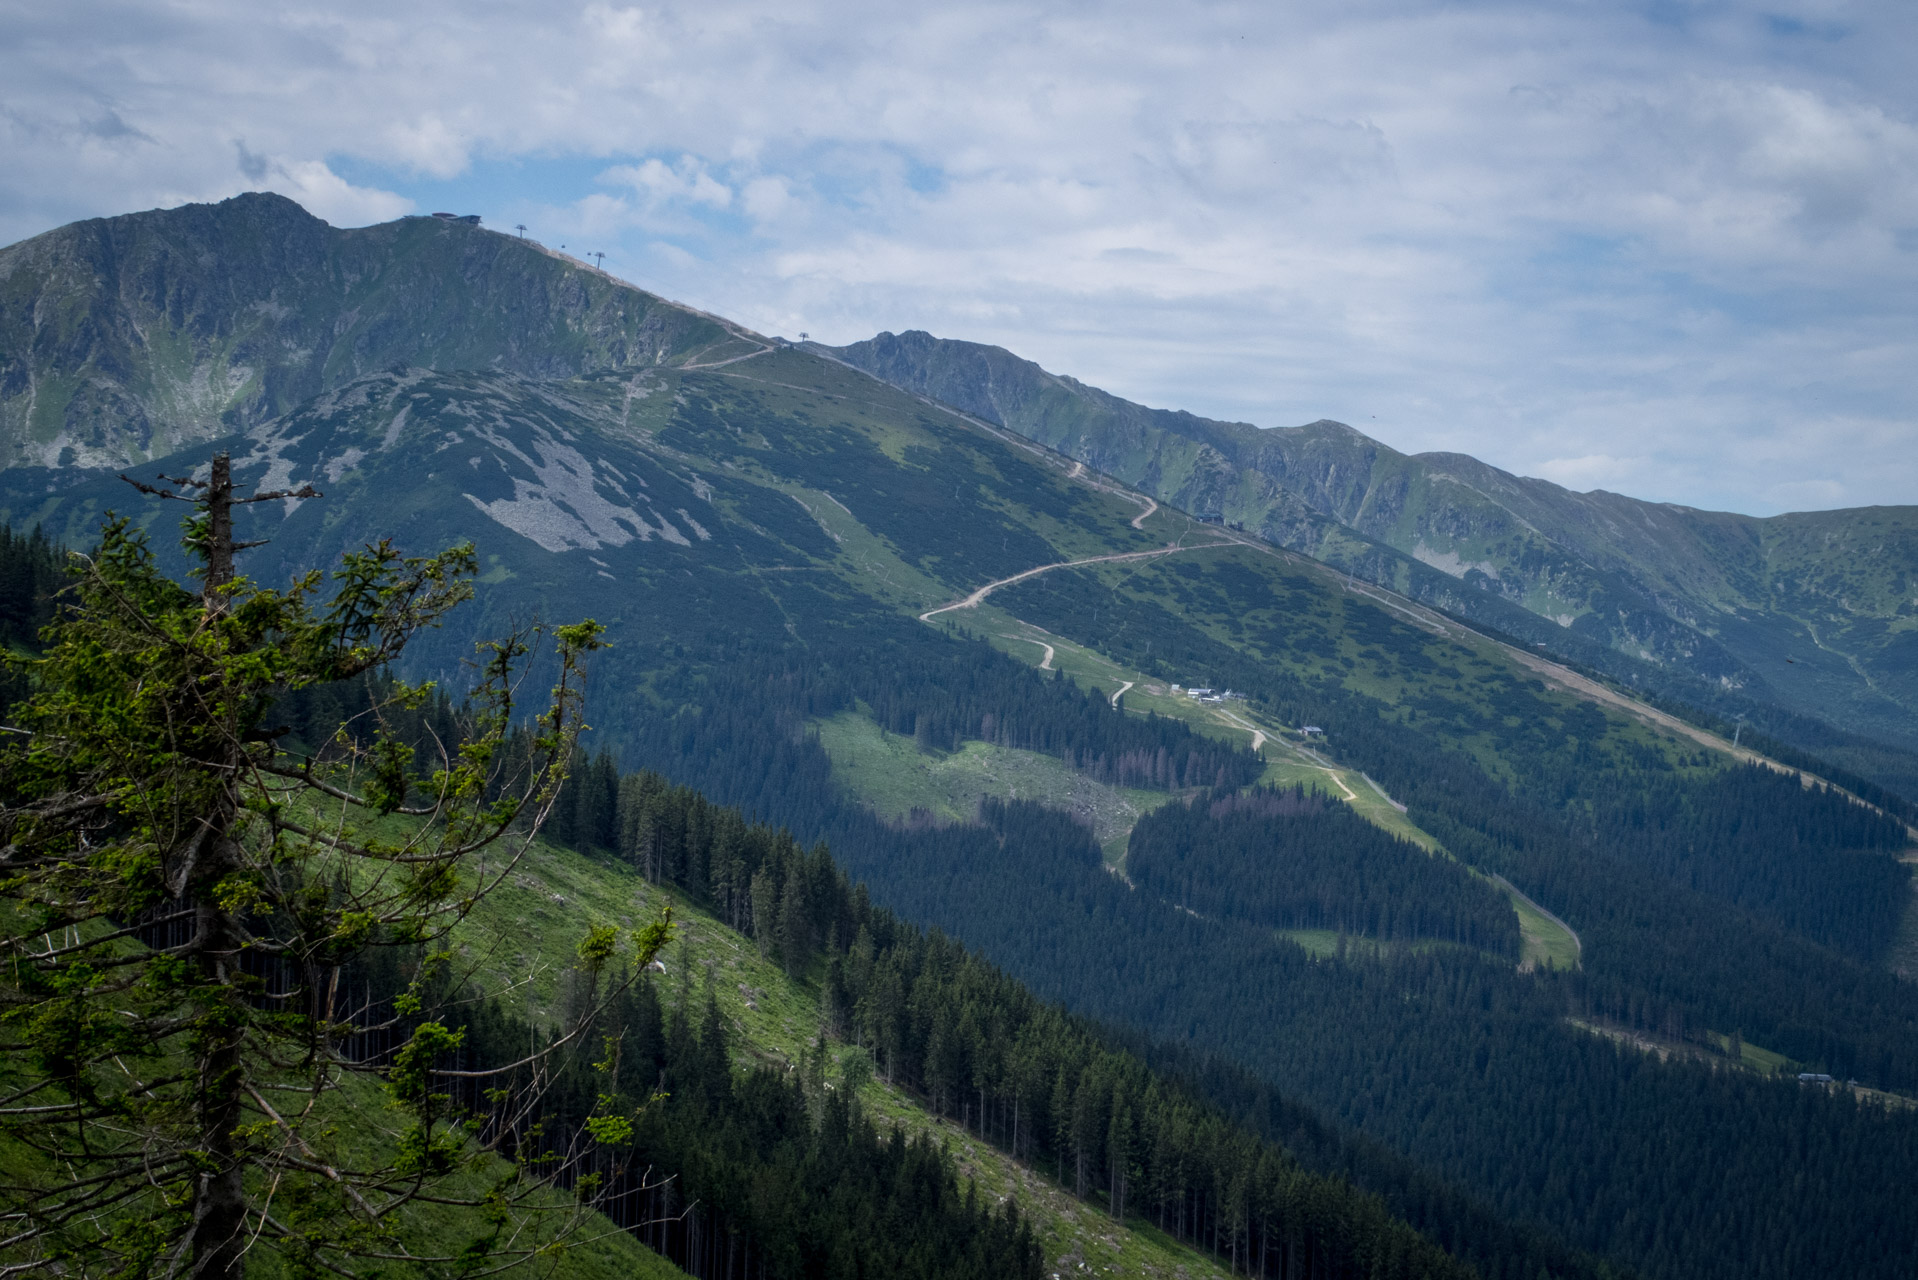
[[182, 898], [815, 513], [1037, 1084], [1805, 619], [1288, 860], [1397, 1042]]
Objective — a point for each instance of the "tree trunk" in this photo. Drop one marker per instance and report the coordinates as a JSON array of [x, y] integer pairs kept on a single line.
[[218, 1237], [219, 1199], [219, 541]]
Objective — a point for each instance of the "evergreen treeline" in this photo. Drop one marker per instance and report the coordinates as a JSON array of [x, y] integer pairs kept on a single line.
[[1660, 954], [1456, 1061], [1289, 860], [981, 1049], [1810, 858], [314, 714], [753, 1175], [30, 574], [765, 1175], [946, 697], [1828, 751]]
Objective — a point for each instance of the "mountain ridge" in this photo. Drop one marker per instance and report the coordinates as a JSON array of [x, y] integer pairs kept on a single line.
[[123, 339], [818, 513], [127, 338], [1815, 611]]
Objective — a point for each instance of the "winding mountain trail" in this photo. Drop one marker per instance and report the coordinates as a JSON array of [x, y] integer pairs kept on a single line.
[[1121, 693], [720, 364], [1045, 663], [1331, 770], [1074, 469], [973, 600], [1260, 737]]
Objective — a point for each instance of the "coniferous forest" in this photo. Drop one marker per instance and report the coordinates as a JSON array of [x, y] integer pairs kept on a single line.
[[1602, 968], [1296, 861], [29, 577], [1375, 1044], [1710, 903], [1040, 1084]]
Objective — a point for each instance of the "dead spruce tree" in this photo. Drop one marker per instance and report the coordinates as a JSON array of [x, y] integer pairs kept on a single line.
[[184, 1077]]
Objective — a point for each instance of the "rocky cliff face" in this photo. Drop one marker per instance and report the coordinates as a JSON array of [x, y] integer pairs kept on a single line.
[[128, 338], [1816, 612]]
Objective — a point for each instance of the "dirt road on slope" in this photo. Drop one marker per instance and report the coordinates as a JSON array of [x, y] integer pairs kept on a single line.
[[1417, 614], [973, 600], [1575, 683], [720, 364], [1045, 663]]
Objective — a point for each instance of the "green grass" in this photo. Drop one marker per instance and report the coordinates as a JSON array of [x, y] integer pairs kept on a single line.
[[593, 1249], [891, 774], [776, 1020], [1298, 616], [1764, 1061], [1754, 1058], [1715, 1050], [1289, 762], [1547, 944], [1324, 943], [360, 1124]]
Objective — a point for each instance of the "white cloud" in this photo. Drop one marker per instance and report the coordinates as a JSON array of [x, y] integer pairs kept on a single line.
[[658, 183], [1592, 471], [1676, 257], [766, 198], [1803, 495]]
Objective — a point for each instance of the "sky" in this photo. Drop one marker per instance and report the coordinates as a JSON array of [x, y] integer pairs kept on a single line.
[[1667, 248]]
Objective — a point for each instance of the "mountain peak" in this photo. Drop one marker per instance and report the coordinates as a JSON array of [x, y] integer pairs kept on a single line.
[[131, 337]]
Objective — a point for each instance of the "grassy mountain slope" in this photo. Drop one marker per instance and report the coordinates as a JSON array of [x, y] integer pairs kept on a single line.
[[781, 544], [825, 500], [1816, 611], [595, 1249], [559, 892]]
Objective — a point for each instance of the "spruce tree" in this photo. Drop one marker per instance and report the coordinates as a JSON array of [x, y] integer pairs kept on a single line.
[[190, 904]]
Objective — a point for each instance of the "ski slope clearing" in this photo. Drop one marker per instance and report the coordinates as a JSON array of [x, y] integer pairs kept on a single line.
[[1548, 941], [901, 782]]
